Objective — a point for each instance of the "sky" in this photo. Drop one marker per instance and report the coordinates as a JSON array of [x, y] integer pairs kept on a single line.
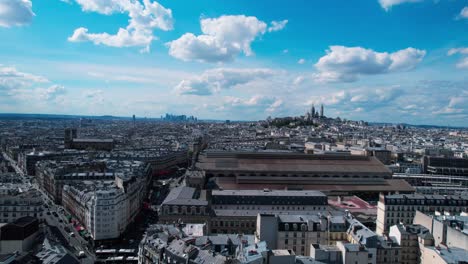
[[399, 61]]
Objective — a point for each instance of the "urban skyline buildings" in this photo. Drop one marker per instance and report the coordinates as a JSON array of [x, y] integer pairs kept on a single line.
[[224, 132], [355, 69]]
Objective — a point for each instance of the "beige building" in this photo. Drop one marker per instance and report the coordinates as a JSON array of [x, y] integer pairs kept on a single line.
[[411, 238], [401, 208], [298, 232], [19, 200], [444, 255]]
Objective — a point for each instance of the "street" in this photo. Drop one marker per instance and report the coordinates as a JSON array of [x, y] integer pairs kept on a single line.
[[75, 243]]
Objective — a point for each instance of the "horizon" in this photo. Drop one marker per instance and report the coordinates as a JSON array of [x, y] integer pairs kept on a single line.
[[201, 119], [381, 61]]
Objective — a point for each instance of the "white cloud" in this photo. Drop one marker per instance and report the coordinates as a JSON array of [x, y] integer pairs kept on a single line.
[[27, 89], [13, 73], [51, 92], [15, 13], [463, 63], [10, 78], [301, 61], [223, 38], [298, 80], [463, 13], [215, 80], [454, 51], [275, 105], [358, 98], [256, 103], [387, 4], [144, 17], [277, 25], [329, 99], [285, 51], [459, 101], [346, 64]]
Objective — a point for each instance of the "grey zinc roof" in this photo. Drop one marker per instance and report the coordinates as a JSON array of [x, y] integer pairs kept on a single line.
[[183, 196], [207, 257], [310, 193], [290, 162]]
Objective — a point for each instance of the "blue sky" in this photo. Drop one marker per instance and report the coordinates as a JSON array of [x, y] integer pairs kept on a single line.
[[387, 60]]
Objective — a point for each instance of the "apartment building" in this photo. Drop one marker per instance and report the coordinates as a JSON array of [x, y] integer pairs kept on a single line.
[[401, 208], [18, 199], [105, 208], [298, 232]]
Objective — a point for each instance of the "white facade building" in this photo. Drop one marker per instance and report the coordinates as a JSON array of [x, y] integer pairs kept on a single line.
[[18, 200], [105, 208]]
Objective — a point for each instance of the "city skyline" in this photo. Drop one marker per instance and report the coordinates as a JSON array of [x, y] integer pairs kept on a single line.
[[380, 61]]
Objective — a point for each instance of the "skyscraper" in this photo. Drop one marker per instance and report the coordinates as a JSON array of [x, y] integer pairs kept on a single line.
[[321, 111], [312, 112]]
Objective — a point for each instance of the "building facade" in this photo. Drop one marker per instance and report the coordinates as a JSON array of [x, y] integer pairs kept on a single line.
[[105, 208], [18, 200], [401, 208], [298, 232]]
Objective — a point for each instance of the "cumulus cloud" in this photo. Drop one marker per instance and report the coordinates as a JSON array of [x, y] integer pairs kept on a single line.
[[51, 92], [346, 64], [277, 25], [256, 102], [463, 63], [363, 98], [298, 80], [144, 17], [15, 13], [387, 4], [223, 38], [215, 80], [301, 61], [463, 13], [11, 78], [27, 87]]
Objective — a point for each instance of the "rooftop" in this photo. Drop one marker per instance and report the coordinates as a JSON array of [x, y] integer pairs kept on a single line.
[[267, 192], [291, 162], [183, 195]]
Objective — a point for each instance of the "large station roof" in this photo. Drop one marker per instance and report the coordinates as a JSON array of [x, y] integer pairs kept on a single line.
[[290, 162]]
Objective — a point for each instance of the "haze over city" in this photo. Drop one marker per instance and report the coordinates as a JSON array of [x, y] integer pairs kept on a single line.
[[381, 61]]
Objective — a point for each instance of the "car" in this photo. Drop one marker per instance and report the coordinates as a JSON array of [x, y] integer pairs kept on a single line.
[[60, 220], [55, 214], [71, 234], [48, 213], [81, 254]]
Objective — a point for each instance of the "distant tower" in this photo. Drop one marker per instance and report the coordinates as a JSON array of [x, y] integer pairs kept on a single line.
[[134, 119], [321, 111], [312, 112], [70, 134]]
